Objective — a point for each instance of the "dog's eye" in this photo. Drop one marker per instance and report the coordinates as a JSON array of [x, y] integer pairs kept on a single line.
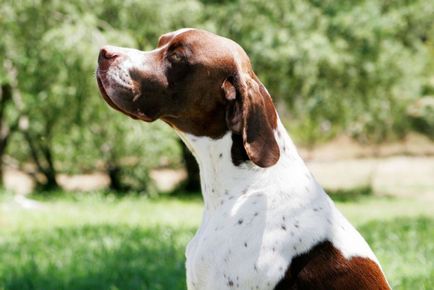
[[175, 57]]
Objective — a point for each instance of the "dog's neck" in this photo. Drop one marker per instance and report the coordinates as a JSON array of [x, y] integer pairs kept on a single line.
[[221, 180]]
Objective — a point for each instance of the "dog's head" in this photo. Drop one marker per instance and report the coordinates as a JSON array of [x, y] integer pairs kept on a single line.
[[196, 81]]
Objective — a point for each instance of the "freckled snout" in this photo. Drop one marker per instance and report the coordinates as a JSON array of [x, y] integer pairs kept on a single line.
[[124, 75]]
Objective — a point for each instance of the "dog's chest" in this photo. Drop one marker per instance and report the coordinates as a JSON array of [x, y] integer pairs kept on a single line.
[[248, 243], [256, 220]]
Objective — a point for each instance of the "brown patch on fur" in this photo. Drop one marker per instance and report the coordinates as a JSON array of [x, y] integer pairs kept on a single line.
[[251, 114], [238, 153], [324, 267], [260, 118]]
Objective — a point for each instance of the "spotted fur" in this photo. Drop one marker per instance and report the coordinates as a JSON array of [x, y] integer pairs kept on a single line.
[[257, 220]]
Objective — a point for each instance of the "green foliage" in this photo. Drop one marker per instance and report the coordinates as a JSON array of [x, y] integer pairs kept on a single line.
[[56, 64], [352, 66], [93, 241], [422, 115], [363, 68]]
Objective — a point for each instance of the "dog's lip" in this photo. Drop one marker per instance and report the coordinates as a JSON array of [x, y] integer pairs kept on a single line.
[[104, 92], [100, 85], [139, 115]]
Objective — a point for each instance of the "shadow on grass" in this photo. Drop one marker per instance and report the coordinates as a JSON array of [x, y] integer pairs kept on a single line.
[[353, 194], [95, 257]]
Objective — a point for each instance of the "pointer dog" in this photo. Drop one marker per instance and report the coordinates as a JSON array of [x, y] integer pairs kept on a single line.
[[267, 223]]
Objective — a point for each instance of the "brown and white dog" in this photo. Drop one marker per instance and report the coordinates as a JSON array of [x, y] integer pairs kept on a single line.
[[267, 223]]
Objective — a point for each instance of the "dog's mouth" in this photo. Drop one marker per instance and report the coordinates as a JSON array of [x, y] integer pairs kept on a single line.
[[104, 92], [100, 77]]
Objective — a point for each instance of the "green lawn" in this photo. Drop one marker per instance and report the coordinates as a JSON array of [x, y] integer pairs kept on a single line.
[[96, 242]]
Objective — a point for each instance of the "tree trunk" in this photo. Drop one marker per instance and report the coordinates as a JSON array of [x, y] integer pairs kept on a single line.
[[51, 181], [42, 157], [114, 173], [50, 170], [3, 144], [192, 183], [9, 93], [5, 128]]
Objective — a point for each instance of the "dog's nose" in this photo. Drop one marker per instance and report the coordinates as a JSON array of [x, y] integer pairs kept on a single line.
[[106, 56], [107, 53]]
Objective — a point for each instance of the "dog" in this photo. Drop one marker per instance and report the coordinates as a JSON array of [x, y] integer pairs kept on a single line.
[[267, 223]]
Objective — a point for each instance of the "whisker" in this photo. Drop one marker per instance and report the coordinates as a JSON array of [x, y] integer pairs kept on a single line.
[[136, 97]]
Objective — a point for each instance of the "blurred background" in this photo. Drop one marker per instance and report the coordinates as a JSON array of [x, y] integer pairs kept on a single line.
[[90, 199]]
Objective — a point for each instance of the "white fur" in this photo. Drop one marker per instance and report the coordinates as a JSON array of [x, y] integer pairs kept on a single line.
[[256, 220]]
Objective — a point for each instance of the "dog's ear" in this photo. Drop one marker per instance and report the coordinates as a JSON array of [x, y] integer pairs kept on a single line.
[[251, 114]]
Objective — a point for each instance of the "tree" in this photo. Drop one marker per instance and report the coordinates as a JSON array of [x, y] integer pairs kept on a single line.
[[339, 67], [54, 65], [360, 68]]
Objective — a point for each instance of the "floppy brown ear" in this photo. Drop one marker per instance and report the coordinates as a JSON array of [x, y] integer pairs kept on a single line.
[[251, 114]]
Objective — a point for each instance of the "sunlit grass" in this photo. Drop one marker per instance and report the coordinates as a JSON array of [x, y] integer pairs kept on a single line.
[[94, 241], [95, 209], [405, 248]]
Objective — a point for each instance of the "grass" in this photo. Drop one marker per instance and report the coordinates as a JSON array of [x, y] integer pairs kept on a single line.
[[101, 242]]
